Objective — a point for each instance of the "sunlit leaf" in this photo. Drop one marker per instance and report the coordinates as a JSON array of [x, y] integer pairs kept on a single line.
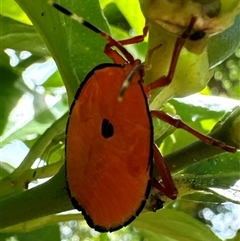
[[172, 225], [19, 36], [10, 9]]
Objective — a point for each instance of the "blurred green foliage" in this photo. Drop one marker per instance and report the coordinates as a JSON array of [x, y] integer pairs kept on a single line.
[[33, 98]]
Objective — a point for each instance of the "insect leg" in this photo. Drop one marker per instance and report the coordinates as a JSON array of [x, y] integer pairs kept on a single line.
[[167, 186], [116, 57], [165, 80], [135, 39], [178, 123]]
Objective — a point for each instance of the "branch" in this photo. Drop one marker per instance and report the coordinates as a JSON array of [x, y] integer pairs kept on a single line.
[[48, 198]]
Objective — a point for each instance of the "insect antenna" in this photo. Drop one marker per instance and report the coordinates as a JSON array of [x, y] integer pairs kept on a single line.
[[128, 80], [75, 17], [111, 41]]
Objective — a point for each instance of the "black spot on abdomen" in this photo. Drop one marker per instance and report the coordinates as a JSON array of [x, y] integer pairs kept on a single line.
[[107, 129]]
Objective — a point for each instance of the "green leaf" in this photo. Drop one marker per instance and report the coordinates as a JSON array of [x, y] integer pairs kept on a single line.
[[224, 44], [54, 81], [9, 93], [19, 36], [167, 224], [10, 9], [132, 12], [74, 48], [218, 174], [44, 117], [5, 169], [221, 216], [47, 233], [223, 164]]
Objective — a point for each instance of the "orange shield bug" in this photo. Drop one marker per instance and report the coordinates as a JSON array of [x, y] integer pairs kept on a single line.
[[109, 137]]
